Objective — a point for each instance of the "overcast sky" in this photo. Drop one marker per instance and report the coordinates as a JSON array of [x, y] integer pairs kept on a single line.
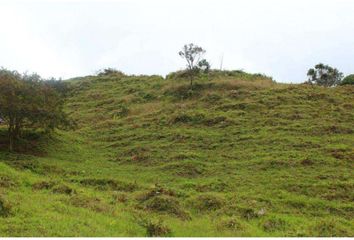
[[280, 38]]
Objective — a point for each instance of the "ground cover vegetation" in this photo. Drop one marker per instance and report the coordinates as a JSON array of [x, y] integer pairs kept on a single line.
[[239, 155]]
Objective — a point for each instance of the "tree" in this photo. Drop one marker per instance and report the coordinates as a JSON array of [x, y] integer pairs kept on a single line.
[[26, 101], [348, 80], [110, 72], [204, 65], [11, 106], [59, 85], [193, 55], [324, 75]]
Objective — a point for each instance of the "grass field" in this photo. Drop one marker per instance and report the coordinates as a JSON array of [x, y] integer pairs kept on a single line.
[[240, 155]]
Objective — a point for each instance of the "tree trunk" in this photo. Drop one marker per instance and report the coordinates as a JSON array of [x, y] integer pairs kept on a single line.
[[11, 137], [17, 130]]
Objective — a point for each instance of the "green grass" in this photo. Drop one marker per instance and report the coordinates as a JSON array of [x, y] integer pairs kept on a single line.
[[240, 155]]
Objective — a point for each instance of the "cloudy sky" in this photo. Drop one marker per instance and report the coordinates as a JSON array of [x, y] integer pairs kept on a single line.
[[281, 38]]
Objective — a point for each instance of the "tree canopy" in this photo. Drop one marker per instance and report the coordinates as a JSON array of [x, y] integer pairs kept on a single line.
[[29, 102], [193, 55], [348, 80], [324, 75]]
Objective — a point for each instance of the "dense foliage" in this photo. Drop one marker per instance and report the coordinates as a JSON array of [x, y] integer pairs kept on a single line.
[[348, 80], [324, 75], [27, 101]]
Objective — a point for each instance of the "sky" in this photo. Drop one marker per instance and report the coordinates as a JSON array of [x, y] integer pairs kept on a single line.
[[279, 38]]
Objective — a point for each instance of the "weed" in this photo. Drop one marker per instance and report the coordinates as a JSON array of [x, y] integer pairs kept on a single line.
[[109, 184], [5, 207], [329, 228], [207, 202], [231, 224], [91, 203], [6, 182], [274, 224], [156, 228]]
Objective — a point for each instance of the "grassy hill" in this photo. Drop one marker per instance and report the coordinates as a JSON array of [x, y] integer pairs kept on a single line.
[[240, 155]]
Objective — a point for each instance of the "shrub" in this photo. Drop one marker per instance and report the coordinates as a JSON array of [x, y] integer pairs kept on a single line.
[[250, 213], [43, 185], [156, 191], [348, 80], [186, 169], [207, 202], [328, 228], [109, 184], [63, 189], [91, 203], [119, 197], [6, 182], [188, 118], [233, 224], [166, 204], [110, 72], [5, 207], [274, 224], [155, 228]]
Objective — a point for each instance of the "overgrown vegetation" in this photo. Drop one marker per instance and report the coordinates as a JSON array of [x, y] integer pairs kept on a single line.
[[240, 156], [28, 102]]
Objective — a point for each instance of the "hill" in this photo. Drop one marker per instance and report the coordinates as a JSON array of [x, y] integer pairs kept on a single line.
[[239, 155]]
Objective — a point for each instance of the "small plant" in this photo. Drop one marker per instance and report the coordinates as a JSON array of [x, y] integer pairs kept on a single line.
[[274, 224], [207, 202], [43, 185], [5, 207], [63, 189], [120, 197], [156, 228], [6, 182], [232, 224], [328, 228], [91, 203], [166, 204], [250, 213]]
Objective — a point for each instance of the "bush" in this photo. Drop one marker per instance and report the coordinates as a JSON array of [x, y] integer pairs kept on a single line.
[[63, 189], [91, 203], [188, 118], [119, 198], [43, 185], [233, 224], [274, 224], [348, 80], [5, 207], [328, 228], [166, 204], [155, 228], [207, 202], [6, 182], [250, 213], [110, 72], [156, 191], [109, 184]]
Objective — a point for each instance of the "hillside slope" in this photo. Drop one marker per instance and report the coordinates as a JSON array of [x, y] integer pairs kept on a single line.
[[239, 155]]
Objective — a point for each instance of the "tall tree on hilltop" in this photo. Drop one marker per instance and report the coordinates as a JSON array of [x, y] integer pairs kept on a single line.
[[193, 55], [324, 75]]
